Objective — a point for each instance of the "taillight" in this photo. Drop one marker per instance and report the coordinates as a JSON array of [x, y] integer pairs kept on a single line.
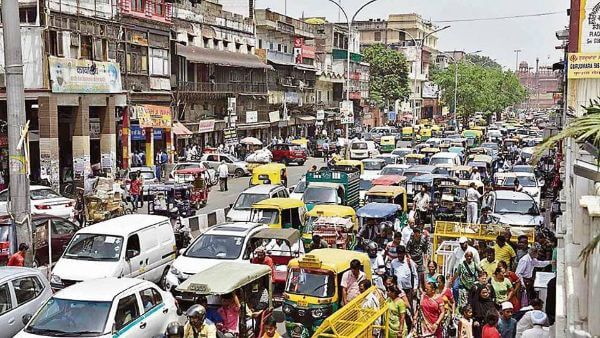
[[4, 248], [43, 207]]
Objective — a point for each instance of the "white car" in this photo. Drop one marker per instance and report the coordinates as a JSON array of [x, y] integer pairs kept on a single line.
[[22, 292], [44, 200], [362, 149], [242, 207], [516, 209], [228, 241], [110, 307], [372, 168], [298, 190]]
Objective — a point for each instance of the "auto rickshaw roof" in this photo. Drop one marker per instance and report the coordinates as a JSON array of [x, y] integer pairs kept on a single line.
[[269, 167], [378, 210], [334, 259], [430, 150], [224, 278], [388, 190], [331, 210], [388, 180], [190, 171], [289, 235], [278, 203], [462, 168], [349, 162], [420, 156], [388, 138]]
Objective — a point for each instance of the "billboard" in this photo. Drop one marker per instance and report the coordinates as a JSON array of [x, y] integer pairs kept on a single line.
[[84, 76]]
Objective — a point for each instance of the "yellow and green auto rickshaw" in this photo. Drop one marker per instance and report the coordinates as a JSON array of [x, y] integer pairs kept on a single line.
[[313, 291], [407, 133], [388, 194], [387, 143], [414, 159], [272, 173], [357, 164], [335, 224], [425, 134], [279, 213]]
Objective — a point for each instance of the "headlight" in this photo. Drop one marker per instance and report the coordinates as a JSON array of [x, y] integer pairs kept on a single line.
[[317, 313], [287, 309], [55, 279], [174, 271]]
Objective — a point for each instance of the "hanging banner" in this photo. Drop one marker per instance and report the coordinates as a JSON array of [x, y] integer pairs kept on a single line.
[[206, 126], [84, 76], [252, 116], [274, 116], [152, 116], [583, 66]]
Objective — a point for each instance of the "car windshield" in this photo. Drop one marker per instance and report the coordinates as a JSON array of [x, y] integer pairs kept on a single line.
[[493, 146], [372, 165], [308, 282], [412, 174], [378, 199], [319, 195], [440, 160], [365, 185], [43, 194], [245, 201], [95, 247], [66, 317], [265, 216], [216, 247], [525, 181], [300, 187], [523, 169], [401, 153], [359, 146], [392, 171], [388, 159], [525, 207]]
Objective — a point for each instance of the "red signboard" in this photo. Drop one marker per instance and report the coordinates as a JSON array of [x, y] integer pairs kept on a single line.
[[298, 42], [308, 52]]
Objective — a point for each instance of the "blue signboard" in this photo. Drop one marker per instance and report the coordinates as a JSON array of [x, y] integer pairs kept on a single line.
[[139, 134], [392, 116]]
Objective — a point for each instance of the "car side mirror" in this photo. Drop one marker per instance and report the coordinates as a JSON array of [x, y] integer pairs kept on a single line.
[[131, 253], [26, 318]]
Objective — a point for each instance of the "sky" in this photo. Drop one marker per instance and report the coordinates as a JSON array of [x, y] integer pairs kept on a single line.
[[498, 39]]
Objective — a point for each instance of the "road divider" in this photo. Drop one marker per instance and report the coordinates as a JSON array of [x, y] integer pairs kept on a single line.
[[199, 223]]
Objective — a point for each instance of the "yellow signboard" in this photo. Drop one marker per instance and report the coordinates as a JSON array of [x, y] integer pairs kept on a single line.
[[152, 116], [583, 66]]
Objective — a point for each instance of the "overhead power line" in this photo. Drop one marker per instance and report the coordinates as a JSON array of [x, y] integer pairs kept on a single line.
[[501, 17]]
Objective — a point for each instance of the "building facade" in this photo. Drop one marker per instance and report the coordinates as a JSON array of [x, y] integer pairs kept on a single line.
[[542, 84]]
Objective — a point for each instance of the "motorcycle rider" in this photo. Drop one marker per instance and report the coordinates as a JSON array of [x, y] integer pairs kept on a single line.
[[377, 264], [197, 326]]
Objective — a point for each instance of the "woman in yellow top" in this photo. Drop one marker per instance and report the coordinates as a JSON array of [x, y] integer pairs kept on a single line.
[[397, 312]]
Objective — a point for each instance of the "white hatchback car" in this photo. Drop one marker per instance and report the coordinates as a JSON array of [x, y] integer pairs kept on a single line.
[[110, 307], [22, 292], [44, 200]]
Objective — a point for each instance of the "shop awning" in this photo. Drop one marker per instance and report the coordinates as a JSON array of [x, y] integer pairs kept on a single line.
[[221, 58], [180, 130], [252, 126]]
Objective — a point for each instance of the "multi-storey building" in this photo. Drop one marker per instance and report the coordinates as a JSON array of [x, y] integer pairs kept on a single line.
[[542, 84], [215, 63], [416, 39], [287, 44]]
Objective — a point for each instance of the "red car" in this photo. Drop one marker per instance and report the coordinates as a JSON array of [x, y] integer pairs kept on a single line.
[[62, 232], [288, 153]]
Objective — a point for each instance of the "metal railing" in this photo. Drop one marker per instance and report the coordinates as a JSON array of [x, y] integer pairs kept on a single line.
[[232, 87]]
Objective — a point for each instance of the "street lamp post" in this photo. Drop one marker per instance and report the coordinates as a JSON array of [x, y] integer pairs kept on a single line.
[[349, 22]]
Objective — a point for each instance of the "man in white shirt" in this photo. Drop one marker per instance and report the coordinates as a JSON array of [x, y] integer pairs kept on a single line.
[[525, 270], [223, 175], [526, 321], [457, 257], [350, 281], [407, 231], [538, 319], [405, 270], [475, 175], [473, 197], [421, 203]]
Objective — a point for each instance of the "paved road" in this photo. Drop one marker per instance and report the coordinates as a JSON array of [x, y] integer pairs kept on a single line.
[[218, 199]]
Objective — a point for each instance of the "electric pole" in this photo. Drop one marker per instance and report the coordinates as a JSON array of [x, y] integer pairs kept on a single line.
[[15, 103]]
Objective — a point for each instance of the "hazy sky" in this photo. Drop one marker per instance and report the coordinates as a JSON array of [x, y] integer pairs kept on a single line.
[[498, 39]]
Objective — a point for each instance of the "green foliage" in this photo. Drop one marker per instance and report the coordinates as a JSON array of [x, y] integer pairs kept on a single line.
[[480, 88], [482, 60], [388, 74]]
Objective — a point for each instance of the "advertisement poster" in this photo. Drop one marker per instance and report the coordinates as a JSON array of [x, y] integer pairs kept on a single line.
[[152, 116], [84, 76], [584, 65]]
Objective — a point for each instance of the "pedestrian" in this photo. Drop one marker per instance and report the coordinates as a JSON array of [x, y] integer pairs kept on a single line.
[[504, 252], [466, 273], [465, 323], [390, 252], [524, 318], [515, 299], [196, 325], [475, 175], [135, 190], [489, 330], [525, 271], [445, 294], [406, 272], [489, 264], [522, 249], [539, 319], [18, 258], [517, 186], [260, 257], [472, 197], [432, 271], [485, 217], [164, 159], [350, 281], [483, 306], [325, 148], [317, 243], [507, 326], [417, 248], [433, 311], [457, 258], [396, 313], [503, 289], [421, 204], [270, 328], [223, 170]]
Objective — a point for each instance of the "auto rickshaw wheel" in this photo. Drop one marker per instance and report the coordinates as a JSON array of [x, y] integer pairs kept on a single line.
[[239, 172]]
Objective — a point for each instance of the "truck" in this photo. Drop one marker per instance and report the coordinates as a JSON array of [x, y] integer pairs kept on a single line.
[[330, 186]]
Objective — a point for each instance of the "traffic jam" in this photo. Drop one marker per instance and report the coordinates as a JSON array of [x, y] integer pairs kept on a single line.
[[416, 230]]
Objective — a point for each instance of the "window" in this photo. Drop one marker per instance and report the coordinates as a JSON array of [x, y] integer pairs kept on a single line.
[[205, 42], [150, 298], [100, 49], [285, 49], [133, 243], [4, 196], [5, 299], [138, 5], [137, 59], [259, 43], [26, 289], [159, 8], [234, 76], [127, 311], [27, 14], [62, 227], [159, 61], [279, 47], [56, 43], [377, 36], [271, 46], [212, 158], [86, 47]]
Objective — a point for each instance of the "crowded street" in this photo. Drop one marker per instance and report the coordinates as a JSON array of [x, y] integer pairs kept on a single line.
[[265, 169]]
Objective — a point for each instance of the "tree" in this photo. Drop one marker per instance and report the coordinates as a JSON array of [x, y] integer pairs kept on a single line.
[[482, 60], [480, 88], [388, 74]]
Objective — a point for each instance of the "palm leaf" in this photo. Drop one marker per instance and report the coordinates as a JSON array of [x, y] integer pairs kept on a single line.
[[588, 251]]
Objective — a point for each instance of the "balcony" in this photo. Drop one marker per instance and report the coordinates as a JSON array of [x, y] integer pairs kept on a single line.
[[222, 88]]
